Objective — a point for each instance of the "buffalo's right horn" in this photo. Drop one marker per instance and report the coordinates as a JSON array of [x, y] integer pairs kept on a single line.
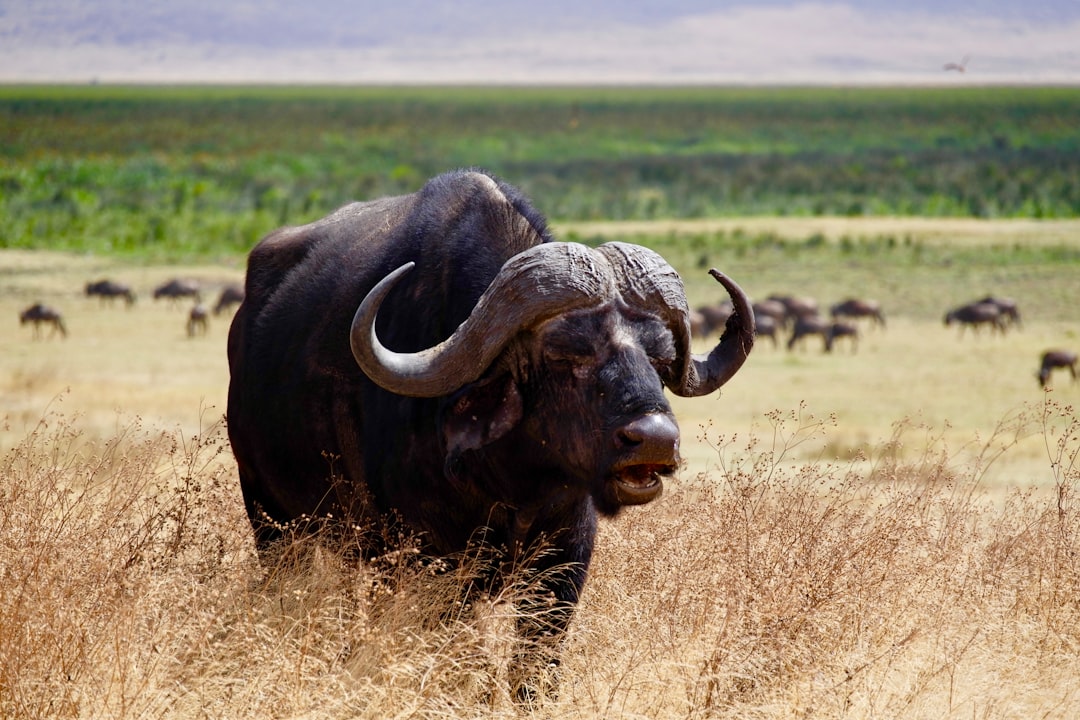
[[647, 280], [531, 287]]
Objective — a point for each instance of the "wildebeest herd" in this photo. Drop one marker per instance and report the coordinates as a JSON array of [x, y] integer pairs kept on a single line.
[[108, 291], [801, 317]]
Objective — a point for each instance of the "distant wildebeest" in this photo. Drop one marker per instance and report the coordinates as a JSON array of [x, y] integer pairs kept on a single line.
[[714, 317], [231, 294], [772, 309], [829, 331], [198, 320], [766, 326], [805, 326], [176, 288], [1010, 311], [109, 290], [795, 306], [39, 314], [975, 315], [438, 362], [856, 309], [1054, 359], [841, 329]]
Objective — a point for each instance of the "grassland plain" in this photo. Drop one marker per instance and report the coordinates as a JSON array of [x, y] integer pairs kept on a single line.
[[891, 531], [886, 532]]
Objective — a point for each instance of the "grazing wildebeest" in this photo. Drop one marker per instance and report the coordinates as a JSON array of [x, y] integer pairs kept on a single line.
[[1054, 359], [796, 307], [38, 314], [975, 315], [856, 308], [109, 290], [176, 288], [231, 294], [439, 361], [1010, 311], [765, 326], [841, 329], [805, 326], [198, 320], [715, 317], [772, 309]]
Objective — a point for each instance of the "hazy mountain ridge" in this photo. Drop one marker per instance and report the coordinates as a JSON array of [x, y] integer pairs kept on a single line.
[[514, 41]]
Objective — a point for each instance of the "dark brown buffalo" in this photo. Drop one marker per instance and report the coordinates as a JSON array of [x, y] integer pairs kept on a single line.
[[1053, 360], [437, 360], [109, 290], [231, 294], [39, 314], [856, 309]]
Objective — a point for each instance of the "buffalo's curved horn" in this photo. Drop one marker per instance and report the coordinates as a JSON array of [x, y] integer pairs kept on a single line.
[[531, 287], [645, 279]]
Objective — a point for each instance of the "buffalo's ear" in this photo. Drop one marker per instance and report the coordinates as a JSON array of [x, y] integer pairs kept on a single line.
[[481, 413]]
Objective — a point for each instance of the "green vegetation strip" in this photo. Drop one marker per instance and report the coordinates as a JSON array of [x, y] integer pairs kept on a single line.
[[167, 172]]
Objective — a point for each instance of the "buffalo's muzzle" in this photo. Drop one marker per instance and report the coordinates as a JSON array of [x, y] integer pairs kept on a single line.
[[648, 450]]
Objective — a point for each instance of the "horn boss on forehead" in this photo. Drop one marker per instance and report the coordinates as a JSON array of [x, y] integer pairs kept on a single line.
[[531, 287]]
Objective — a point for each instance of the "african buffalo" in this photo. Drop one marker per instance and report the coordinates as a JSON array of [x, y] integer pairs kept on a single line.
[[109, 290], [976, 315], [38, 314], [856, 308], [176, 288], [231, 294], [1054, 359], [438, 361]]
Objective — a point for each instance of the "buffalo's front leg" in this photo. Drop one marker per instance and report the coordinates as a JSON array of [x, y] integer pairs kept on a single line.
[[544, 616]]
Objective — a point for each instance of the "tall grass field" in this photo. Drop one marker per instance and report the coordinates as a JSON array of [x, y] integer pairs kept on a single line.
[[889, 529]]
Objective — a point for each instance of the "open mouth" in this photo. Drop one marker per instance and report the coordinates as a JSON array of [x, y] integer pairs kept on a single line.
[[638, 484]]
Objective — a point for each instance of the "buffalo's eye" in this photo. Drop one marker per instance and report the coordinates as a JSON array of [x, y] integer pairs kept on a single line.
[[658, 343], [571, 347]]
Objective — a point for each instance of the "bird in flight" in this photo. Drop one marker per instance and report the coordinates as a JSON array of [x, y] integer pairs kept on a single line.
[[958, 67]]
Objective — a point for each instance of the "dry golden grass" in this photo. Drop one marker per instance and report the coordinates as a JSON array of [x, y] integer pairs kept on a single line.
[[898, 540], [765, 589]]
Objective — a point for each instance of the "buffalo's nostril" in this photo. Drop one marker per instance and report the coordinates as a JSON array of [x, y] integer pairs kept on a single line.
[[652, 438]]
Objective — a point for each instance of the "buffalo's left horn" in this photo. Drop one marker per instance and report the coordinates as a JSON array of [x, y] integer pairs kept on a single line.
[[531, 287], [647, 280]]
